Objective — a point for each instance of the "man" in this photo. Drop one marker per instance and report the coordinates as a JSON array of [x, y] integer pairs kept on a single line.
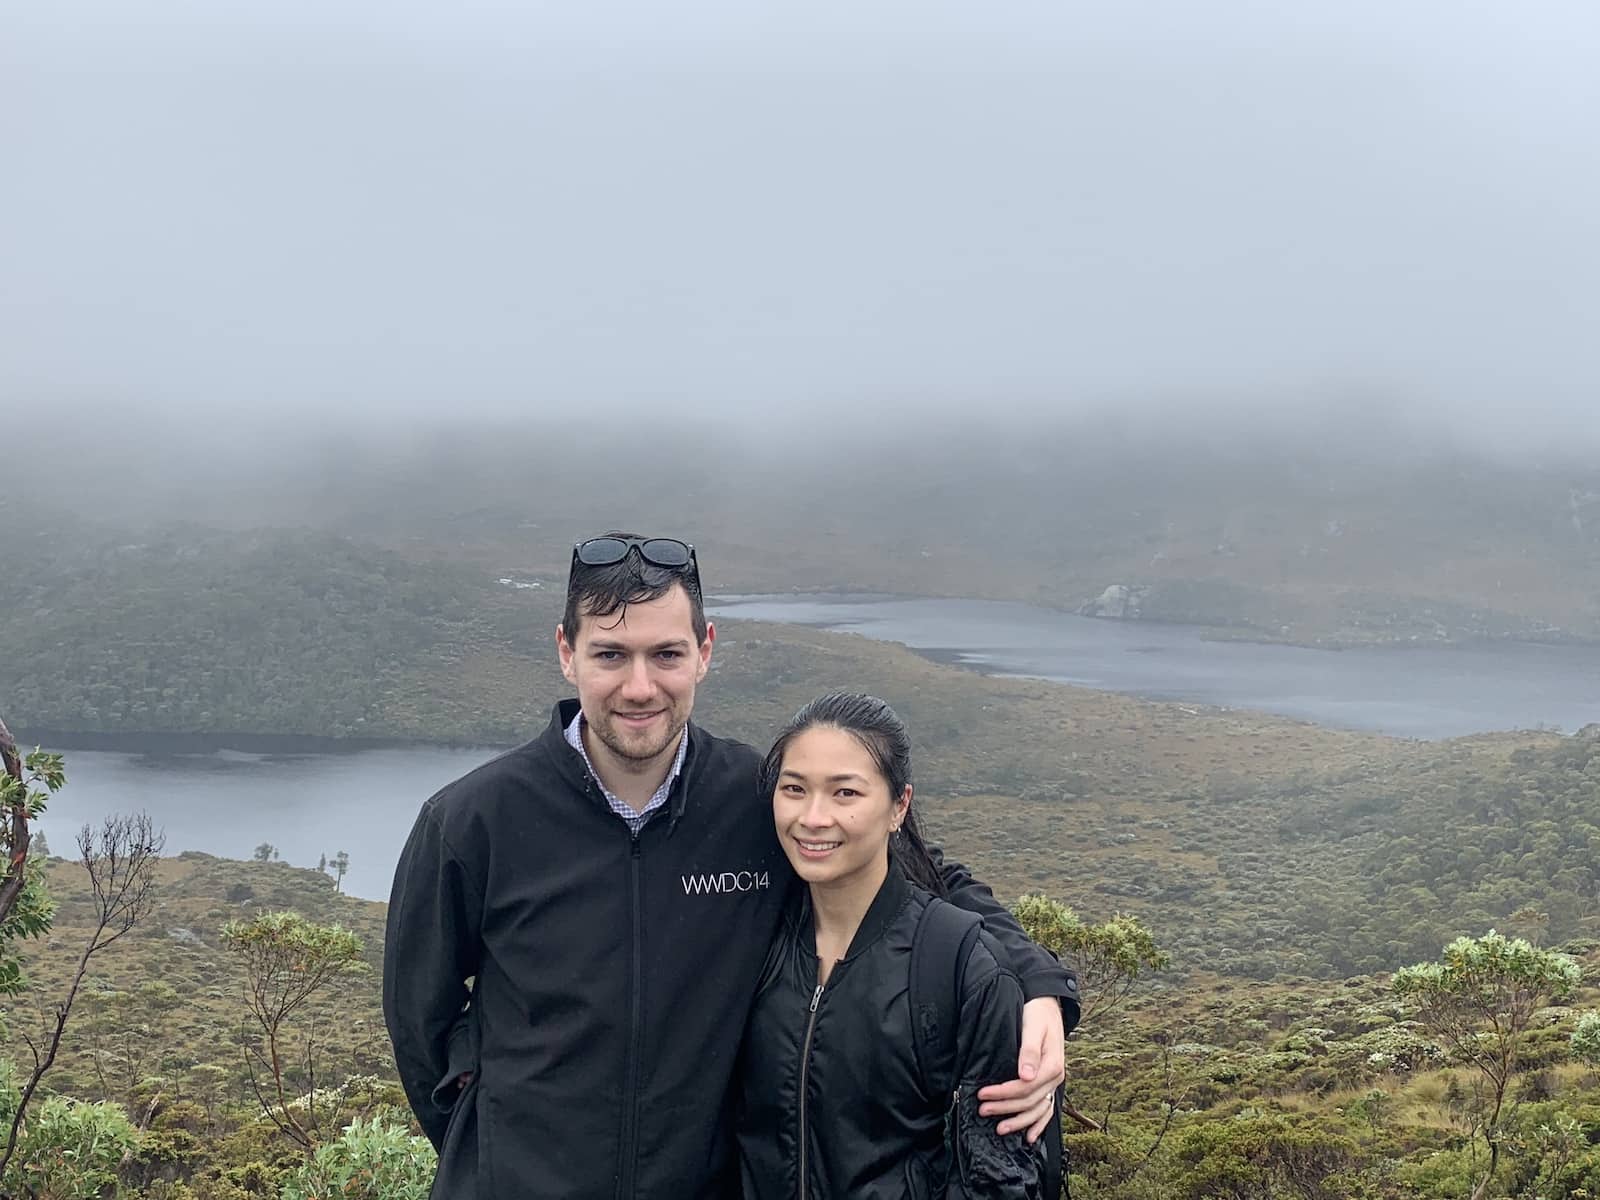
[[577, 927]]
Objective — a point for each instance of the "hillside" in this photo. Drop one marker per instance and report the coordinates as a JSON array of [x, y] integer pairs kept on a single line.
[[1271, 540], [1320, 1089], [1337, 534], [1253, 845], [158, 1026]]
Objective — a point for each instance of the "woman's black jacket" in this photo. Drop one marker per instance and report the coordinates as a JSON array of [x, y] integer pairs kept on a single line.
[[833, 1106]]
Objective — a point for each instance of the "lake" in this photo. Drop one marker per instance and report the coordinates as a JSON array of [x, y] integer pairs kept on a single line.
[[227, 802], [1411, 691]]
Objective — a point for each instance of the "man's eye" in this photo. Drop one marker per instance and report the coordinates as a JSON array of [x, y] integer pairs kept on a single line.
[[670, 655], [608, 655]]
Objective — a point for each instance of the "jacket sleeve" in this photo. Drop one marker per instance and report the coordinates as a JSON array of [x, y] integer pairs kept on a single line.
[[432, 948], [1039, 971], [985, 1164]]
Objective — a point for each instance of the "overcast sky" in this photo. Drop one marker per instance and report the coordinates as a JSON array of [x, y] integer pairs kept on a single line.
[[314, 207]]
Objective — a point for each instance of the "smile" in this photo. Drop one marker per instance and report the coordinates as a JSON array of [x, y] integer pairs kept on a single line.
[[817, 849], [639, 718]]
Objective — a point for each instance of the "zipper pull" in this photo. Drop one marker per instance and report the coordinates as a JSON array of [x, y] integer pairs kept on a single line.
[[815, 997]]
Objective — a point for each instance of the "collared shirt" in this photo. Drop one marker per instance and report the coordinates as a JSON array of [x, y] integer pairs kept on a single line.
[[635, 820]]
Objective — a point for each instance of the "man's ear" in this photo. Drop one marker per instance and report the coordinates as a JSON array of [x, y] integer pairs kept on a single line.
[[705, 652], [564, 652]]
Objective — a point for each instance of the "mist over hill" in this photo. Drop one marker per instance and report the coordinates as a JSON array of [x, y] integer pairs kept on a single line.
[[1293, 529]]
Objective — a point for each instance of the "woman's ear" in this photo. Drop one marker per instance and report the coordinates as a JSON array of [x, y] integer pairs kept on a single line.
[[901, 807]]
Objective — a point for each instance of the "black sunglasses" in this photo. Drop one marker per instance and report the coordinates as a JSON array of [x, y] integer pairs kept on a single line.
[[669, 553]]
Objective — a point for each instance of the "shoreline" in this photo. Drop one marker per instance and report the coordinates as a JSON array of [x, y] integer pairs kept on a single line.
[[172, 743], [1206, 631]]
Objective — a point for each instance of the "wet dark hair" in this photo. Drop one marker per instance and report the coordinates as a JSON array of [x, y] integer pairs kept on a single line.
[[883, 735], [594, 591]]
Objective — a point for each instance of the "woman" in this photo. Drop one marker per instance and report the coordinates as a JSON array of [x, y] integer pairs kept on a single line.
[[835, 1103]]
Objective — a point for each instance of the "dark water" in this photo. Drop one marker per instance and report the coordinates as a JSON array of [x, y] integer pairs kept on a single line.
[[1424, 691], [228, 802]]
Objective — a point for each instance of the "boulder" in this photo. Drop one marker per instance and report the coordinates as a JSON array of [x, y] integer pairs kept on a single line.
[[1119, 602]]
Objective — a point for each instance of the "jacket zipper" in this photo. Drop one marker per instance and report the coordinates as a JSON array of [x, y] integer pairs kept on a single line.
[[959, 1166], [630, 1111], [805, 1070]]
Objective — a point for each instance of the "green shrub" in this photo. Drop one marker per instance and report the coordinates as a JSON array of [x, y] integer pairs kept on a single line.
[[1586, 1038], [1259, 1156], [1444, 1174], [376, 1160], [71, 1150]]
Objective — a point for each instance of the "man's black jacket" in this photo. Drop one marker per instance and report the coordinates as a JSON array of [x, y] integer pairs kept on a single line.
[[610, 973]]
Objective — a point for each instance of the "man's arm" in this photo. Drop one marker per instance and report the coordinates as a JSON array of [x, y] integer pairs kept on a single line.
[[987, 1034], [1051, 991], [431, 949], [1039, 972]]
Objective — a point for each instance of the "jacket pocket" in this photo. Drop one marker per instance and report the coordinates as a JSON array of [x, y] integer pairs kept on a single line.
[[984, 1165], [461, 1057], [458, 1171], [459, 1149]]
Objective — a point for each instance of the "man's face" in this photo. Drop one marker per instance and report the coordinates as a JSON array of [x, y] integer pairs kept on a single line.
[[636, 675]]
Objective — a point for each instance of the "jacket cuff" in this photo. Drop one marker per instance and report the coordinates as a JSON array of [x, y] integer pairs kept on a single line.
[[1058, 985], [461, 1056]]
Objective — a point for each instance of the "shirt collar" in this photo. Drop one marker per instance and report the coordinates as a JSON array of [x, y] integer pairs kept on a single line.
[[574, 736]]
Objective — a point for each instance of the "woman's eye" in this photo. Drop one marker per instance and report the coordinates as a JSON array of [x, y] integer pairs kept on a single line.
[[848, 793]]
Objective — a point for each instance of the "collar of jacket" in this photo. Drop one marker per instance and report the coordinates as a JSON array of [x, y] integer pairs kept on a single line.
[[570, 763], [885, 907]]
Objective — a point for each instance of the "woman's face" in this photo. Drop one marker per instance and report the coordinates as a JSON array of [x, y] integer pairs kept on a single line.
[[832, 807]]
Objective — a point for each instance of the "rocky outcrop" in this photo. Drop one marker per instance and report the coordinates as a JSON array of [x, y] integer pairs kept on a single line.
[[1119, 602]]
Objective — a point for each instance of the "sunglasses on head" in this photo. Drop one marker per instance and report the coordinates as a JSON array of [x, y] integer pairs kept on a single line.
[[669, 553]]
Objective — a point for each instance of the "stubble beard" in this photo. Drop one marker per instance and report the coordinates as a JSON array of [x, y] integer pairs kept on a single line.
[[636, 752]]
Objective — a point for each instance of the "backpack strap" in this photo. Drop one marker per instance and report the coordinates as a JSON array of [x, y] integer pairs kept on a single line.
[[939, 952]]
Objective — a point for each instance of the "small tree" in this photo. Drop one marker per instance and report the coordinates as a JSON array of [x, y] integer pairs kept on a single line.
[[1479, 999], [341, 864], [1108, 959], [265, 852], [287, 960], [120, 859]]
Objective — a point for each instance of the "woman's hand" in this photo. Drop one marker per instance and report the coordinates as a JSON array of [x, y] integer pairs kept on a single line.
[[1028, 1102]]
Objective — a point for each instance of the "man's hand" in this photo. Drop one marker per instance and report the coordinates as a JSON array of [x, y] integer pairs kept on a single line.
[[1028, 1102]]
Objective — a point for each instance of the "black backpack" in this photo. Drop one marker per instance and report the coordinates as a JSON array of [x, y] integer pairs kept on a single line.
[[939, 953]]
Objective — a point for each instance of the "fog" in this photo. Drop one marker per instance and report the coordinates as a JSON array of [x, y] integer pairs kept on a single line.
[[293, 230]]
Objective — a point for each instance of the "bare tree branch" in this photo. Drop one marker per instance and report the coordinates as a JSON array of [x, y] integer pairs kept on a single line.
[[120, 860]]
